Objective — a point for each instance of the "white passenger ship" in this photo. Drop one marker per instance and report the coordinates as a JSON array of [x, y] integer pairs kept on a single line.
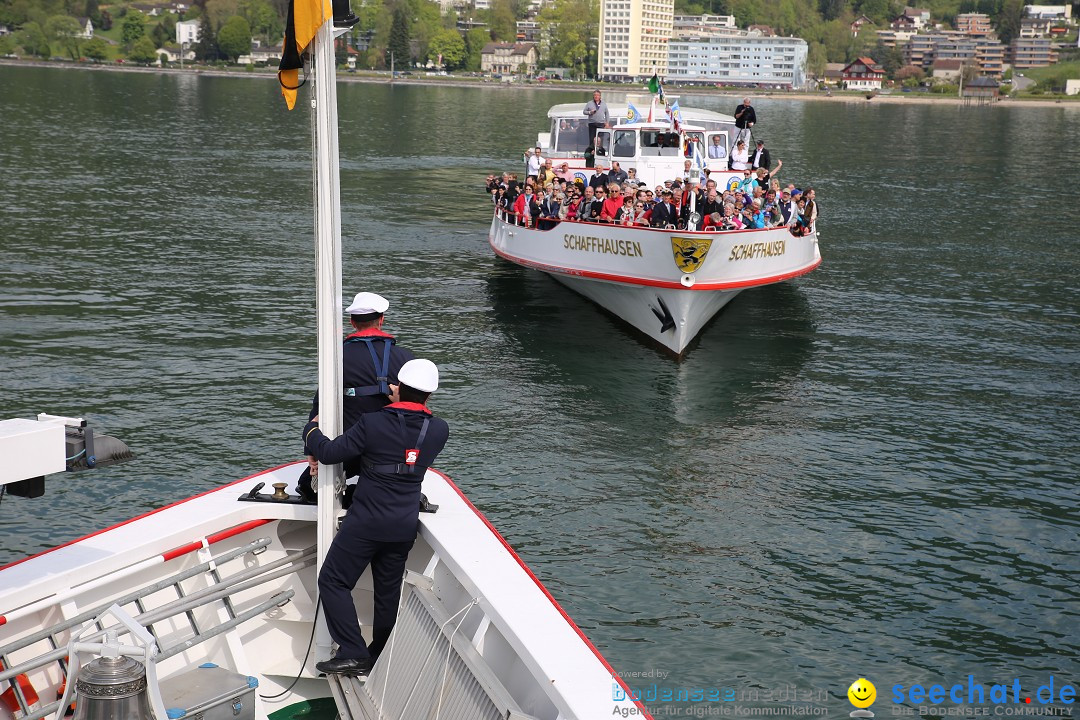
[[664, 282]]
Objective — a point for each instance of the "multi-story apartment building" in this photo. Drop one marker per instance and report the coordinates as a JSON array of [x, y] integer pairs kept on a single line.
[[686, 24], [976, 24], [919, 49], [738, 59], [634, 37], [1051, 12], [893, 38], [1032, 52], [528, 31], [990, 57], [985, 53]]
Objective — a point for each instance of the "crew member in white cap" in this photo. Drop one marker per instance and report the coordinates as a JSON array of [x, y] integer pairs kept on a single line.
[[370, 362], [395, 446]]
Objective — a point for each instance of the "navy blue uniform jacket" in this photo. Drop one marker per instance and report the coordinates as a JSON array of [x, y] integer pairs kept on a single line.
[[357, 370], [386, 504]]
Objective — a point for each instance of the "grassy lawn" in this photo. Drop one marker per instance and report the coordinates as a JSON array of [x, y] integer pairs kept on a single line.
[[1054, 75]]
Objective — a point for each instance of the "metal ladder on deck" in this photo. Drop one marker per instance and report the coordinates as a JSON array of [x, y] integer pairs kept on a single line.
[[428, 669], [185, 604]]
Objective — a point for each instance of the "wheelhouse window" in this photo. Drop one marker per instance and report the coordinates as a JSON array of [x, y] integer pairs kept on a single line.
[[625, 143], [603, 143], [571, 135]]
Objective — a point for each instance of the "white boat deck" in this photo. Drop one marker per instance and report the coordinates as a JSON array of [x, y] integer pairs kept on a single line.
[[469, 594]]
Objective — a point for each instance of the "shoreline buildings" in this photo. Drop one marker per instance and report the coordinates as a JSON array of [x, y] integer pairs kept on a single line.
[[634, 37], [642, 37]]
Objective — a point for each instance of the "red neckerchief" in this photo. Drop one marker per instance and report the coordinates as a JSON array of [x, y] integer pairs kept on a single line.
[[408, 406], [369, 332]]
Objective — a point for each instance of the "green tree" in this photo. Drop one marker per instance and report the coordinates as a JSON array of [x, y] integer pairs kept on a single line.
[[158, 35], [475, 40], [877, 10], [93, 12], [96, 49], [234, 38], [399, 44], [219, 11], [889, 58], [832, 9], [572, 24], [262, 18], [66, 32], [1007, 22], [206, 49], [816, 60], [503, 22], [787, 21], [33, 40], [142, 51], [132, 28], [450, 45], [7, 45], [426, 23], [836, 37]]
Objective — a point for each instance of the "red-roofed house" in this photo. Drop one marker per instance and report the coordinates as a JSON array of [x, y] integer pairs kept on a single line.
[[863, 74], [857, 24]]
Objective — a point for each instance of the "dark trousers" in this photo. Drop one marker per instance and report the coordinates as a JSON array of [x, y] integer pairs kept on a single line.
[[345, 562]]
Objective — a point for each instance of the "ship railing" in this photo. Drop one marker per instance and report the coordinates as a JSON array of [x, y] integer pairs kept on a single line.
[[220, 590], [511, 217], [437, 670]]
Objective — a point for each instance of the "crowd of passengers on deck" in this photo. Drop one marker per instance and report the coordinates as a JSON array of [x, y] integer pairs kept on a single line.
[[616, 196]]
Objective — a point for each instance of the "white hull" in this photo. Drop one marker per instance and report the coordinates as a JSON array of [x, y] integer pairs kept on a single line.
[[511, 627], [634, 273]]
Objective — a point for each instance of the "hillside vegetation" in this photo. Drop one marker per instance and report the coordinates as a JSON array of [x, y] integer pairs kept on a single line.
[[417, 30]]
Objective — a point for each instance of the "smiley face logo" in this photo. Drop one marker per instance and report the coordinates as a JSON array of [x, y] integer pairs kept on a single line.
[[862, 693]]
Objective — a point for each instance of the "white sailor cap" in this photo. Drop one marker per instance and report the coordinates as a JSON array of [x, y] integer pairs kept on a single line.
[[420, 375], [366, 303]]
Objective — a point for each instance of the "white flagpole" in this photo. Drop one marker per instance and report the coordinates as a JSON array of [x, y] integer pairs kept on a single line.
[[328, 292]]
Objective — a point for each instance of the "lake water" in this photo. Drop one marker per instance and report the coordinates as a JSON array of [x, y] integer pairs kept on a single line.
[[869, 471]]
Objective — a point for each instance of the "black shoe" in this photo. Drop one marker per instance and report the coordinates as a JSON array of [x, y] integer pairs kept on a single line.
[[346, 22], [305, 487], [345, 666]]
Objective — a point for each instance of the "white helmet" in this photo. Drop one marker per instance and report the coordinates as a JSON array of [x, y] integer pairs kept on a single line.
[[420, 375]]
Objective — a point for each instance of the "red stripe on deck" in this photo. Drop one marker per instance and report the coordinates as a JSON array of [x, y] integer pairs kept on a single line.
[[573, 625], [211, 539], [140, 517]]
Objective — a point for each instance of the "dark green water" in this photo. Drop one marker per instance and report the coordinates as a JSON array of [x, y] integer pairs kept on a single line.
[[871, 471]]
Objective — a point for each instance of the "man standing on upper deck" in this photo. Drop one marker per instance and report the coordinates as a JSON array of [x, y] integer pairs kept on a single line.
[[745, 117], [597, 110]]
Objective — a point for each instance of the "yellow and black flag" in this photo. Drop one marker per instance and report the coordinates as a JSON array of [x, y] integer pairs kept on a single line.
[[304, 19]]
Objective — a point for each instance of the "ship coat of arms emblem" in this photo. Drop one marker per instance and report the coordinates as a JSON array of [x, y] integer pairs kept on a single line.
[[690, 252]]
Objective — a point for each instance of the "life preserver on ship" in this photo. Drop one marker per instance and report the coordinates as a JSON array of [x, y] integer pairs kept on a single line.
[[382, 368], [408, 470]]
